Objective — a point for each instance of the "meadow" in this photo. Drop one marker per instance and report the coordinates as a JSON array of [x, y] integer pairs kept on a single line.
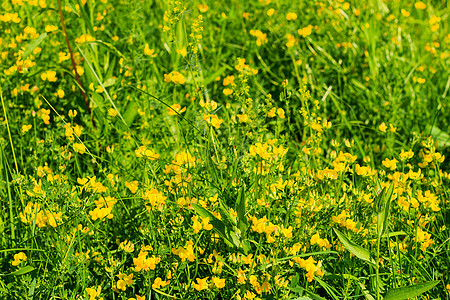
[[224, 150]]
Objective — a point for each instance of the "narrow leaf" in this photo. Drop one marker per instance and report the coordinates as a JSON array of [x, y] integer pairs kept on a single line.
[[410, 291], [396, 233], [22, 271], [240, 210], [442, 138], [32, 289], [357, 250], [31, 46], [217, 224], [313, 296], [383, 215]]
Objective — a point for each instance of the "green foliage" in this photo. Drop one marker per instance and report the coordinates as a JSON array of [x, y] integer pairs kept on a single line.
[[261, 150]]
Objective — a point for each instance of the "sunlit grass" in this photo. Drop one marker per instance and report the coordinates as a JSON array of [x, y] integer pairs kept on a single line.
[[187, 150]]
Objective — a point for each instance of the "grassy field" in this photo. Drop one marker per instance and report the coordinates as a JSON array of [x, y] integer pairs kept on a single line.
[[246, 150]]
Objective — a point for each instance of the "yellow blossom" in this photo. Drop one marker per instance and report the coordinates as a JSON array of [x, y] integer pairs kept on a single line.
[[25, 128], [18, 258], [50, 28], [218, 282], [420, 5], [382, 127], [174, 77], [132, 186], [148, 51], [291, 16], [175, 108], [79, 148], [201, 284]]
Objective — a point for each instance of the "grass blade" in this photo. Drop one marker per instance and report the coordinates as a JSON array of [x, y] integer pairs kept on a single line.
[[355, 249], [22, 271], [410, 291], [31, 46]]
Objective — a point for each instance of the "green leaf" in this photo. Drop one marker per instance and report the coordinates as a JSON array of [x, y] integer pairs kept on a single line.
[[130, 113], [383, 214], [109, 82], [240, 210], [22, 271], [313, 296], [442, 138], [217, 224], [330, 290], [410, 291], [357, 250], [227, 218], [31, 46], [363, 288], [32, 289], [86, 18], [392, 234], [213, 77], [378, 201]]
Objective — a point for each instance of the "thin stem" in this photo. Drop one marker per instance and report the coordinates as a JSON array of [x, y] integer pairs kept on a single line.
[[74, 65], [378, 269]]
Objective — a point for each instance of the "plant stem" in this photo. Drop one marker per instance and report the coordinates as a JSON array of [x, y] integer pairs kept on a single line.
[[74, 65]]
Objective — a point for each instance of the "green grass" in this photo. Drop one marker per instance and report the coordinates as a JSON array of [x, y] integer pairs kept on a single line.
[[261, 150]]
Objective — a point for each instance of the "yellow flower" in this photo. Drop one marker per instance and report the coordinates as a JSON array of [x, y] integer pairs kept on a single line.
[[420, 5], [72, 113], [421, 80], [50, 76], [121, 285], [25, 128], [175, 77], [392, 128], [206, 225], [291, 40], [18, 258], [249, 295], [79, 148], [50, 28], [218, 282], [261, 38], [272, 112], [213, 120], [227, 92], [182, 51], [201, 284], [112, 112], [382, 127], [149, 52], [60, 93], [94, 293], [197, 226], [203, 8], [127, 246], [142, 262], [228, 80], [291, 16], [132, 186], [175, 108], [243, 118], [390, 163], [142, 151], [84, 38], [304, 32], [405, 13], [280, 113]]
